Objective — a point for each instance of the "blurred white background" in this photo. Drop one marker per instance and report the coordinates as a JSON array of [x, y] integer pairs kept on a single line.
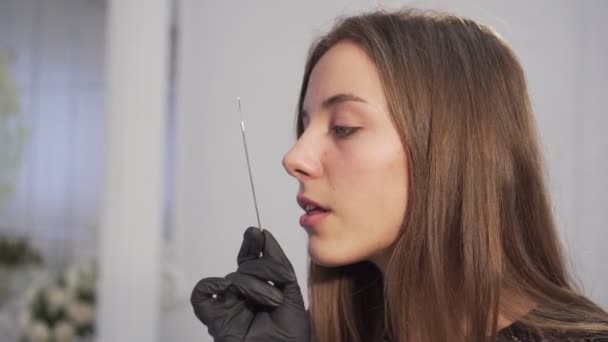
[[133, 155]]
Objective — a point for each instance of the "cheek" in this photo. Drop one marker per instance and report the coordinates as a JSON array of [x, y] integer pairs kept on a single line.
[[398, 193], [369, 191], [374, 186], [388, 197]]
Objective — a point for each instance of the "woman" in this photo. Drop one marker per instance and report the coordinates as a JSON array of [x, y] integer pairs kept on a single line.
[[426, 209]]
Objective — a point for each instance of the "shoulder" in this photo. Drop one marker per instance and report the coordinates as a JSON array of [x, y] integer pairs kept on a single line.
[[519, 332]]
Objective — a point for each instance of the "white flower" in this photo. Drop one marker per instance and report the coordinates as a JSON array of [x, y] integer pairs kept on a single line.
[[24, 319], [81, 313], [71, 279], [56, 297], [87, 281], [63, 332], [38, 332], [30, 295]]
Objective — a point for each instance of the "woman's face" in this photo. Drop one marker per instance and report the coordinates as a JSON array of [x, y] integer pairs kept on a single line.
[[349, 161]]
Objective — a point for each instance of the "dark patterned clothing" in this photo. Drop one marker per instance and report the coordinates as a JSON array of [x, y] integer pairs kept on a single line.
[[520, 333], [517, 332]]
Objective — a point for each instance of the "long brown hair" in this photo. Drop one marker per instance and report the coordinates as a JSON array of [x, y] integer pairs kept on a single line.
[[478, 227]]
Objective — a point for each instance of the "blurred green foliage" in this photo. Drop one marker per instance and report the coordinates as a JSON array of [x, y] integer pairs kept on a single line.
[[12, 131], [16, 252]]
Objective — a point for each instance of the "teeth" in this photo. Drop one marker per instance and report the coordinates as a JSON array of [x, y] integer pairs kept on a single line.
[[310, 207]]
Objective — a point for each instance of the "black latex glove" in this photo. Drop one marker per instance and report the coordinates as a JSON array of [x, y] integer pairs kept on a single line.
[[243, 306]]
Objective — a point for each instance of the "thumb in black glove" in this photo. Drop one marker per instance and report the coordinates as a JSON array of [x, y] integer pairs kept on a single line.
[[243, 306]]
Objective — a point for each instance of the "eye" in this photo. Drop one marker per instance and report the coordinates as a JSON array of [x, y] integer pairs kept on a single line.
[[342, 131]]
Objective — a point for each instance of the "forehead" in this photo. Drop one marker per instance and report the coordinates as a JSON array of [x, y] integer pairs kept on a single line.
[[344, 68]]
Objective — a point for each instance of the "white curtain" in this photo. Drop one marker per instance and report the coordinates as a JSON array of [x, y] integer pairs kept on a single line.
[[55, 51]]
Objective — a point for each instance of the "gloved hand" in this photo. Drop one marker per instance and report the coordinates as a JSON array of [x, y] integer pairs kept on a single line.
[[244, 307]]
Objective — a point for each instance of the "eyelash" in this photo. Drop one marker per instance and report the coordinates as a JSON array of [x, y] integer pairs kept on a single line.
[[336, 131]]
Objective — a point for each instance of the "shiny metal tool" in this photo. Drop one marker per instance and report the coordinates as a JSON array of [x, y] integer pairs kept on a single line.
[[255, 202]]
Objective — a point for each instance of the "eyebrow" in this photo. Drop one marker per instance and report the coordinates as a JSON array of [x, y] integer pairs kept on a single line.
[[336, 100]]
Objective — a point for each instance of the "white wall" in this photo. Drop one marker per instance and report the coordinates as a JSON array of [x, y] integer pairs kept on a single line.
[[589, 234], [257, 51]]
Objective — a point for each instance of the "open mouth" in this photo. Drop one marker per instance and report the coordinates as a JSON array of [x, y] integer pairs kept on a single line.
[[315, 212], [313, 209], [309, 205]]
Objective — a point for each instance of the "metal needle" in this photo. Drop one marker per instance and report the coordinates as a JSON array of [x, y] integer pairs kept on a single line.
[[255, 202]]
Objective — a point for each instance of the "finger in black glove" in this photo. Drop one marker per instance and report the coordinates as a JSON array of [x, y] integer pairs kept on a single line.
[[244, 306]]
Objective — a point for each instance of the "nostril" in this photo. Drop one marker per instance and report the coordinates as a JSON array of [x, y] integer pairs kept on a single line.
[[300, 171], [294, 170]]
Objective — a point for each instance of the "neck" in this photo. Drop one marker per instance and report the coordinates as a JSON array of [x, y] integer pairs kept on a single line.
[[513, 306], [381, 260]]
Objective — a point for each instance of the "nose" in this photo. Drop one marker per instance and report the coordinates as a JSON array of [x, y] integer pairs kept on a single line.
[[302, 160]]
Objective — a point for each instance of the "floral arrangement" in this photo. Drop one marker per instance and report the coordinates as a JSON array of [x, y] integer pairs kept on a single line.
[[61, 311]]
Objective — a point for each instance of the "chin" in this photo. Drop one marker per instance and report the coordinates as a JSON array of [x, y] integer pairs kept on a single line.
[[330, 255]]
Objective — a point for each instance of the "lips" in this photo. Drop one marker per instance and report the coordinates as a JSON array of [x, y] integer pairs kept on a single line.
[[312, 220], [315, 212], [308, 205]]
